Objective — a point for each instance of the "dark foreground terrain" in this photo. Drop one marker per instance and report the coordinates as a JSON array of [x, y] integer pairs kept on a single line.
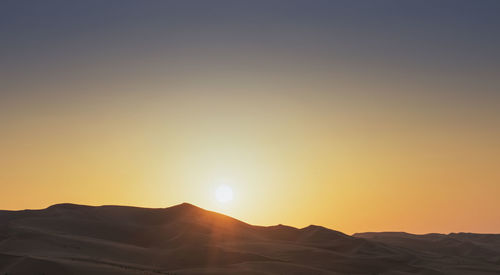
[[185, 239]]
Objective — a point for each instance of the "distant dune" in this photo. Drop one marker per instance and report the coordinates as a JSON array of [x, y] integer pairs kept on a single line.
[[185, 239]]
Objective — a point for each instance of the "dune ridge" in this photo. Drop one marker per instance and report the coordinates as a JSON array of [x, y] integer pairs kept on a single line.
[[185, 239]]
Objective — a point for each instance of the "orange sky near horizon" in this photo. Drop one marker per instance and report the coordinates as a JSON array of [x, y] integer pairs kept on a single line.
[[309, 118], [290, 161]]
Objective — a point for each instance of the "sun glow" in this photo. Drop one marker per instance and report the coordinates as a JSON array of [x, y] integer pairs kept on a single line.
[[224, 194]]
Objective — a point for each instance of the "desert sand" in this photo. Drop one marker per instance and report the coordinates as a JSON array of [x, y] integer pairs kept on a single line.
[[185, 239]]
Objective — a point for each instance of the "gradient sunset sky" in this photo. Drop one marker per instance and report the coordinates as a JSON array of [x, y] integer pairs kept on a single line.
[[355, 115]]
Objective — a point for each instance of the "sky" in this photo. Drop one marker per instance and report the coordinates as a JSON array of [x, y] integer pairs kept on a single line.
[[355, 115]]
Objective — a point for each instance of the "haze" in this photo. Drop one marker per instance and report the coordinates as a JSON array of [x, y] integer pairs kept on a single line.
[[355, 115]]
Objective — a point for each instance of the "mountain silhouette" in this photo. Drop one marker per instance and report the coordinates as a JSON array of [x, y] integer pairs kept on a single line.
[[186, 239]]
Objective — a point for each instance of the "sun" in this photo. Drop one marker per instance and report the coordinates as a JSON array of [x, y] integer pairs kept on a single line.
[[224, 194]]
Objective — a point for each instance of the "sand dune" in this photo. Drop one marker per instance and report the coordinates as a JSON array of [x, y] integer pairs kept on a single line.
[[185, 239]]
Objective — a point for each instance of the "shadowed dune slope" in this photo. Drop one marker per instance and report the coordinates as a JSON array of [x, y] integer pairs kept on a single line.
[[185, 239]]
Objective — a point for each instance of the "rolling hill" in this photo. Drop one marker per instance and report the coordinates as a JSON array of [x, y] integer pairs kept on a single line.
[[185, 239]]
